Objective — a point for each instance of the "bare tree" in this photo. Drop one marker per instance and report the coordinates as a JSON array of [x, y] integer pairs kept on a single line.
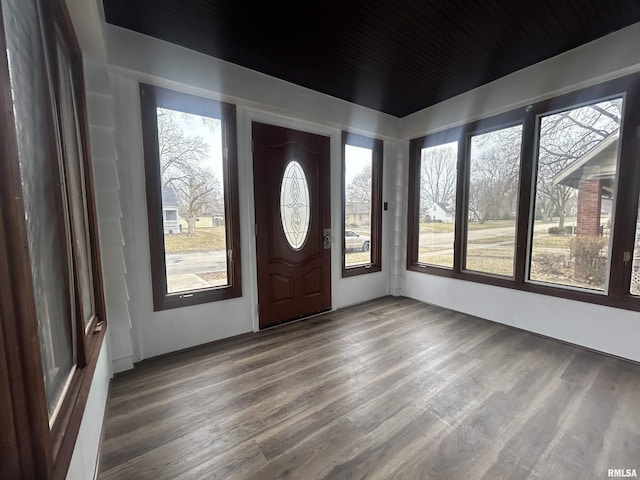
[[438, 176], [564, 138], [182, 158], [194, 190], [178, 150], [359, 189], [495, 167], [358, 192]]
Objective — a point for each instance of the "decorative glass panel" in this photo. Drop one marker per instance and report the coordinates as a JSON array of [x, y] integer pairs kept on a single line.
[[295, 211]]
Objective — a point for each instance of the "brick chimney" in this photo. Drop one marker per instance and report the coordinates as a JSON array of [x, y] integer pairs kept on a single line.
[[589, 205]]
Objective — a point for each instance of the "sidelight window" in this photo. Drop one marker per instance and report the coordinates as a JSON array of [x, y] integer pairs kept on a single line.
[[362, 209], [191, 176]]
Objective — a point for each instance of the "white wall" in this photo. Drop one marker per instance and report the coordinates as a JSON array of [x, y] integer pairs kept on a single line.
[[134, 58], [601, 328], [84, 462]]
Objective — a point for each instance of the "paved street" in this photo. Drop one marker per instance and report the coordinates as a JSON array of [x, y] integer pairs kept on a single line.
[[196, 262]]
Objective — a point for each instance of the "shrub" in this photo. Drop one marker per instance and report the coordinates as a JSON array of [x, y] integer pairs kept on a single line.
[[549, 264], [555, 231], [590, 265]]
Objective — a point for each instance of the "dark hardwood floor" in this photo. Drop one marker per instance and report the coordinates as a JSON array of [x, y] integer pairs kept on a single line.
[[390, 389]]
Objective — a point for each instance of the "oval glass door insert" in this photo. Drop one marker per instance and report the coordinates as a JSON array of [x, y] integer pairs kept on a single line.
[[295, 211]]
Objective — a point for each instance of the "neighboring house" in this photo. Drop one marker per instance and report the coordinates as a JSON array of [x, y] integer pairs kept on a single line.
[[170, 217], [593, 175], [439, 212], [357, 214]]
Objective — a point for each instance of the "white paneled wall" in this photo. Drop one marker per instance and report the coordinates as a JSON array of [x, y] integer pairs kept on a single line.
[[108, 190]]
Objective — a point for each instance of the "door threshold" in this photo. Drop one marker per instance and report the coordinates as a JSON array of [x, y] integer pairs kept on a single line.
[[295, 320]]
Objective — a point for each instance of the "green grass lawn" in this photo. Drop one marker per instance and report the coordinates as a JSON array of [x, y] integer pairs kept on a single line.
[[552, 241], [429, 256], [449, 227], [498, 261], [436, 227], [491, 224], [492, 239], [206, 239]]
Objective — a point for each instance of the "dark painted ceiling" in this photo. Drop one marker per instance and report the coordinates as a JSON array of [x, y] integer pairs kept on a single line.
[[396, 56]]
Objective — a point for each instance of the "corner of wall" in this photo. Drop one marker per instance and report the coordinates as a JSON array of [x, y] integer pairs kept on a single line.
[[398, 208]]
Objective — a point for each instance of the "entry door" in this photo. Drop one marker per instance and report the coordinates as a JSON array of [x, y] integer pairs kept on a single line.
[[293, 218]]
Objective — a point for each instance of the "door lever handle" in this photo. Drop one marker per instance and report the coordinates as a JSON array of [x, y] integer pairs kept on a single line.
[[326, 238]]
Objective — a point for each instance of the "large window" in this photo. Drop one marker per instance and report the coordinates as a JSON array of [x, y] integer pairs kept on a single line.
[[362, 213], [576, 182], [433, 184], [438, 172], [190, 160], [494, 171], [545, 198]]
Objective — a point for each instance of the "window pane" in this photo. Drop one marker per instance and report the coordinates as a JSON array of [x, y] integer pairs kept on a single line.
[[48, 242], [493, 200], [437, 204], [192, 200], [358, 190], [77, 195], [575, 194]]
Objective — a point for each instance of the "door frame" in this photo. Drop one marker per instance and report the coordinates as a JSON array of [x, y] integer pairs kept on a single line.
[[247, 116]]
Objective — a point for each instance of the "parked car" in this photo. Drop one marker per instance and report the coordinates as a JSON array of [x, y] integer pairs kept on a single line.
[[355, 241]]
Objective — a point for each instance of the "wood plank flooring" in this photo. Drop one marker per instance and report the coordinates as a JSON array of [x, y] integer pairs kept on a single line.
[[390, 389]]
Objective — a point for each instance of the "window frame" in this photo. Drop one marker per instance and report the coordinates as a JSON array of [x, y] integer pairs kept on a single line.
[[376, 146], [152, 98], [413, 212], [626, 201], [479, 128], [38, 449]]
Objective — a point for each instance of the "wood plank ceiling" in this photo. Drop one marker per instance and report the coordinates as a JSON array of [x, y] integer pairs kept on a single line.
[[397, 56]]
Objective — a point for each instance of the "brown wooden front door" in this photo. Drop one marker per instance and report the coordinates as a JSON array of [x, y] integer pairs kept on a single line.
[[293, 212]]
